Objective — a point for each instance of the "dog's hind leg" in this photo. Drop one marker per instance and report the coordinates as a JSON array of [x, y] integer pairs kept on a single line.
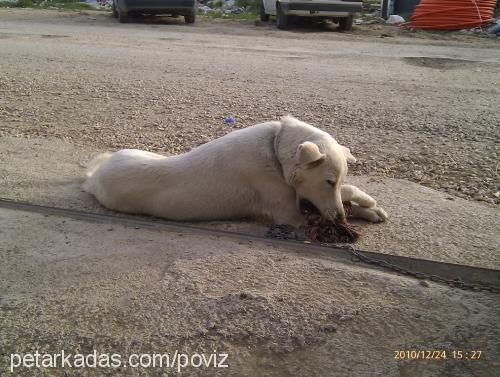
[[351, 193]]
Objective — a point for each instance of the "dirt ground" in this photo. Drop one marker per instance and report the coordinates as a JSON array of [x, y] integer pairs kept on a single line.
[[419, 111]]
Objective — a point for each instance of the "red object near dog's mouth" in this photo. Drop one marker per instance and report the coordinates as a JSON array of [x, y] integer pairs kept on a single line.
[[319, 229]]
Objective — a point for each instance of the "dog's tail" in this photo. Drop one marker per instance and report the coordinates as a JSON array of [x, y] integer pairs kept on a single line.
[[93, 165]]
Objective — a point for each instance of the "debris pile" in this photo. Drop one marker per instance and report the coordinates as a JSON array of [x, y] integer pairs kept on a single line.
[[494, 30], [222, 7], [394, 19], [99, 3]]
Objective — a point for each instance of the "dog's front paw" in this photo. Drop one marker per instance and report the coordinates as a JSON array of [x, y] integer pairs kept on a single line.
[[380, 214]]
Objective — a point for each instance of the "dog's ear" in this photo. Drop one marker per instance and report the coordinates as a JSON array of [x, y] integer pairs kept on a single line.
[[348, 156], [308, 154]]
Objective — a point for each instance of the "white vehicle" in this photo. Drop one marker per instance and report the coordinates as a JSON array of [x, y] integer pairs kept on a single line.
[[340, 11]]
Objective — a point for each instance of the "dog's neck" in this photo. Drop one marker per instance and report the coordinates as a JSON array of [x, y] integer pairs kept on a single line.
[[275, 150]]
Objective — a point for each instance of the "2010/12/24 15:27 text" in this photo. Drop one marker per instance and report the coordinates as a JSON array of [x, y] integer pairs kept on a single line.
[[437, 354]]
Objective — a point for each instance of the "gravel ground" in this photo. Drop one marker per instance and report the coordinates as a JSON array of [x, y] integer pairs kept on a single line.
[[422, 109]]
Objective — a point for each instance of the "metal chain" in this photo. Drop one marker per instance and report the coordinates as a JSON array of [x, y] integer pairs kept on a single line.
[[283, 232], [455, 283]]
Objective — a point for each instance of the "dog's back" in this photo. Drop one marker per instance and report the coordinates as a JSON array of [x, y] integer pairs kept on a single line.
[[216, 180]]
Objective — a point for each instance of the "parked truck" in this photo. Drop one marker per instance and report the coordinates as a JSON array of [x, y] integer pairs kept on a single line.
[[339, 11]]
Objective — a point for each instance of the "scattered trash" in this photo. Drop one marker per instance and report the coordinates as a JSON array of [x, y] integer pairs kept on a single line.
[[495, 29], [222, 7], [228, 4], [229, 120], [205, 9], [369, 19], [99, 3], [474, 30], [394, 19], [368, 6]]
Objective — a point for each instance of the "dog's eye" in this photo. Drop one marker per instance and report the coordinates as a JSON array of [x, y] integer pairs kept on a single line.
[[330, 182]]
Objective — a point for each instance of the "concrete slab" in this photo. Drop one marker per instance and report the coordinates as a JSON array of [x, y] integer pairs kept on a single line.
[[77, 286]]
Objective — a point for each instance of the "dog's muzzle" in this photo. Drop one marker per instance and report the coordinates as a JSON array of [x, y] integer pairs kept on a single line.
[[306, 207]]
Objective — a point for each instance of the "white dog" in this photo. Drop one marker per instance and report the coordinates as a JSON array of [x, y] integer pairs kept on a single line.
[[270, 170]]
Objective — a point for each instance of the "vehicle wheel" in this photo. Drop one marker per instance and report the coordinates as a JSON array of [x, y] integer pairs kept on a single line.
[[281, 18], [345, 23], [263, 16], [123, 17], [190, 18], [115, 12]]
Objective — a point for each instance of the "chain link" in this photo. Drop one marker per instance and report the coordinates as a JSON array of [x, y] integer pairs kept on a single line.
[[455, 283]]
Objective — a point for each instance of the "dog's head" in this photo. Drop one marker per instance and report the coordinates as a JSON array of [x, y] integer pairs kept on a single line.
[[318, 172]]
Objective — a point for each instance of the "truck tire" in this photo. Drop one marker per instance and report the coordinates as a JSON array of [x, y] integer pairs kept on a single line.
[[122, 16], [345, 23], [263, 16], [281, 18], [115, 12], [190, 18]]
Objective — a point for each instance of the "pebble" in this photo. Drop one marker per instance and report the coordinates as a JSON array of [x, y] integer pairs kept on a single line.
[[424, 283], [330, 327]]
